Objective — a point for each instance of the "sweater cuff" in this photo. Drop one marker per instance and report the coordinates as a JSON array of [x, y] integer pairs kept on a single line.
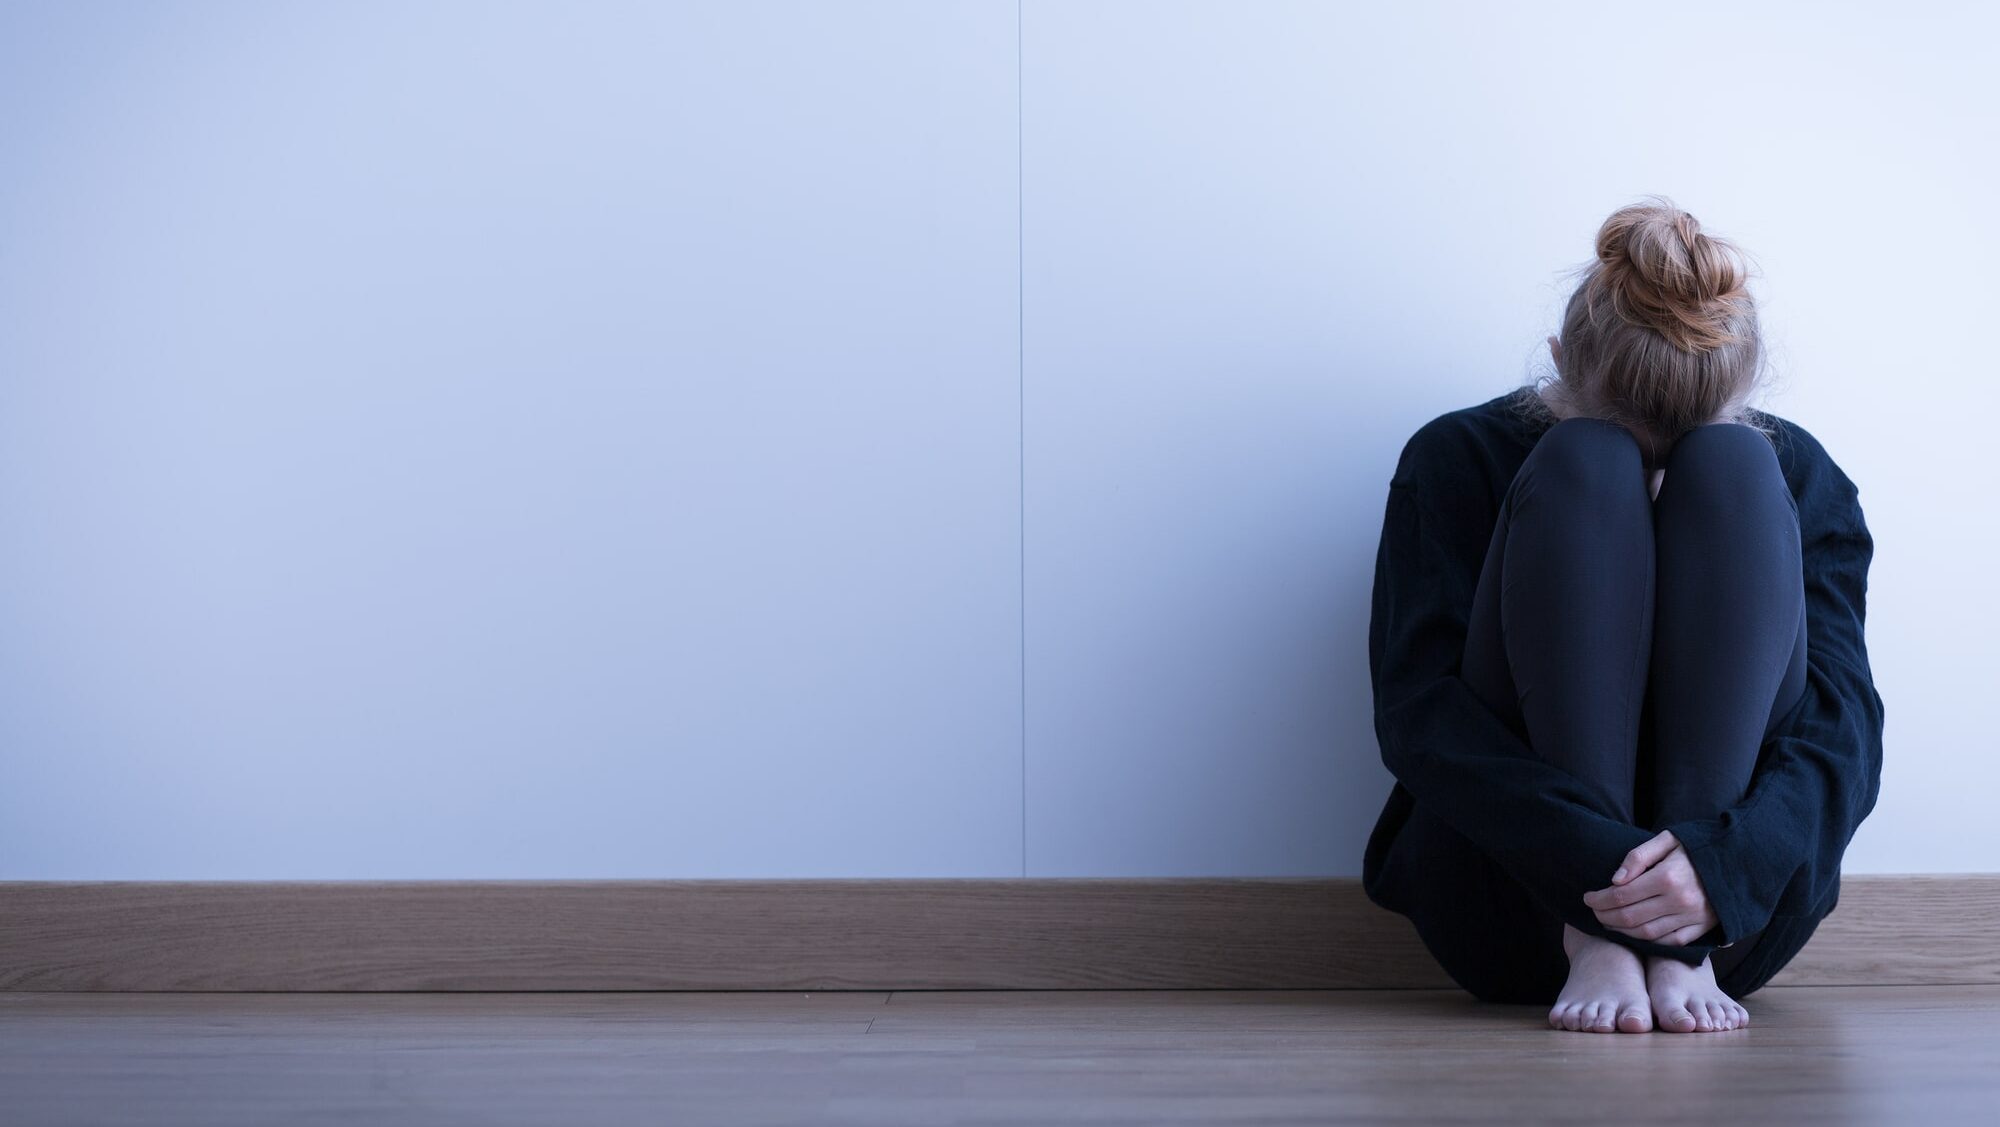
[[1708, 847]]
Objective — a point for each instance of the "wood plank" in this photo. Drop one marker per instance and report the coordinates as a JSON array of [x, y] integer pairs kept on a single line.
[[1092, 933], [1810, 1055]]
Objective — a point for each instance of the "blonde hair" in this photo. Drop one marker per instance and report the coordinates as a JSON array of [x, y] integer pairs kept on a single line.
[[1661, 333]]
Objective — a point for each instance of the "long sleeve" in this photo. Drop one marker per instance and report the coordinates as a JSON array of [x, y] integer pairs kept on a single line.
[[1779, 848], [1554, 833]]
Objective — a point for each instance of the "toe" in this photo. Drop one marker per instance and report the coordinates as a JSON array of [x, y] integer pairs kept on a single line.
[[1742, 1017], [1676, 1019], [1635, 1018]]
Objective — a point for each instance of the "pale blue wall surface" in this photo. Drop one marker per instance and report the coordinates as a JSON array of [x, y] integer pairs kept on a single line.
[[520, 440], [616, 439]]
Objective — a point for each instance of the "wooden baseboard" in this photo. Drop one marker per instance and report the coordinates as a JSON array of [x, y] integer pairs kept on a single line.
[[1094, 933]]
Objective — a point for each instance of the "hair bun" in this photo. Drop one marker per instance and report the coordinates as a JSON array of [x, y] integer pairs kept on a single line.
[[1662, 272]]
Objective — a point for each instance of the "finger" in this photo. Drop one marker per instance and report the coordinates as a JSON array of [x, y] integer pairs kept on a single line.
[[1681, 937], [1632, 915], [1652, 882], [1658, 929], [1665, 879], [1652, 930], [1644, 856]]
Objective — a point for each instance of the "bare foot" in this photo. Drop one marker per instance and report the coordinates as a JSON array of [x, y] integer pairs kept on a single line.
[[1687, 999], [1606, 991]]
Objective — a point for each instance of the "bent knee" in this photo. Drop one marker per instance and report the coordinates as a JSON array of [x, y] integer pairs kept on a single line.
[[1586, 456], [1719, 461]]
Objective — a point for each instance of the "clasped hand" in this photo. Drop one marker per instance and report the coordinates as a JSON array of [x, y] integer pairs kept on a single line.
[[1655, 895]]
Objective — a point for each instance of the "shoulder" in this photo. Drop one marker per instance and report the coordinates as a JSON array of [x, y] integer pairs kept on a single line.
[[1808, 467], [1832, 525], [1464, 446]]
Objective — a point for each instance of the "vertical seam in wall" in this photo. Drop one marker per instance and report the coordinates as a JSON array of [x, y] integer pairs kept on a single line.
[[1021, 414]]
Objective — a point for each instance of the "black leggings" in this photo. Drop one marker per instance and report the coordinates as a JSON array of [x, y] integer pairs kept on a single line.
[[1646, 647]]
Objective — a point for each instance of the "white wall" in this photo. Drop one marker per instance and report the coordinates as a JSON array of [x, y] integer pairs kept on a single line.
[[509, 440], [683, 440]]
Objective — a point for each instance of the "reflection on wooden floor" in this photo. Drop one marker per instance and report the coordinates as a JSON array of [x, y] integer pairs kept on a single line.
[[1819, 1054]]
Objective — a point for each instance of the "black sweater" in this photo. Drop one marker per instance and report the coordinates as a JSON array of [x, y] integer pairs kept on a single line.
[[1775, 853]]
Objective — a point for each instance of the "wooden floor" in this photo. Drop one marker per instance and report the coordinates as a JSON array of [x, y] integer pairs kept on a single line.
[[1822, 1055]]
